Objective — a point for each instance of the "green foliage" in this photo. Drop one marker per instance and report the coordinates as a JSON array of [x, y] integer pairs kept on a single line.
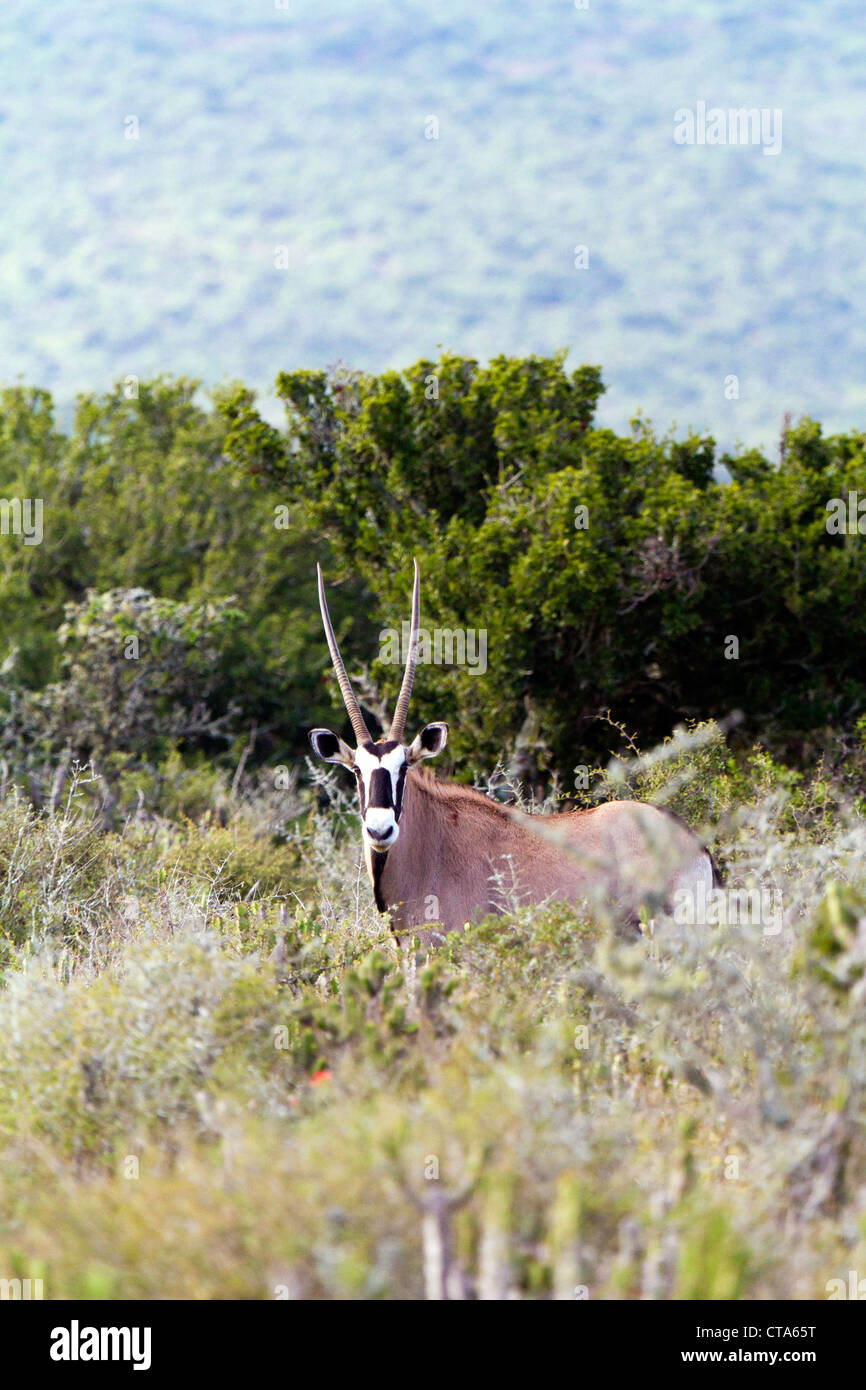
[[208, 1092], [240, 855], [714, 1263], [193, 973], [836, 940], [608, 573], [52, 870], [140, 496], [600, 567]]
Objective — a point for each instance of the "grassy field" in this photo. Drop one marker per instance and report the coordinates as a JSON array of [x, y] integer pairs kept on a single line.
[[219, 1078]]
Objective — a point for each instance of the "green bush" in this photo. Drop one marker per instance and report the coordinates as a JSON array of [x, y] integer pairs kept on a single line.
[[608, 572]]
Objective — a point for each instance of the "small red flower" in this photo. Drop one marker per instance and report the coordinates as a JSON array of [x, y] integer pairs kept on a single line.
[[318, 1077]]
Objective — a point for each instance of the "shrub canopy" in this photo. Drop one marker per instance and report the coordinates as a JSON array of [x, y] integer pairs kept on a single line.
[[635, 573]]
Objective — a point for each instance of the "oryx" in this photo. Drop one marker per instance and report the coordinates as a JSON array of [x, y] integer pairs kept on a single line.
[[440, 854]]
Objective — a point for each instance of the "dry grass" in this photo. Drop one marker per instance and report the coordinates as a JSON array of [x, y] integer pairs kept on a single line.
[[207, 1097]]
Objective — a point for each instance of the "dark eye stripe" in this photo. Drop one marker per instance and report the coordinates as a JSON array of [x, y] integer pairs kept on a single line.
[[401, 778]]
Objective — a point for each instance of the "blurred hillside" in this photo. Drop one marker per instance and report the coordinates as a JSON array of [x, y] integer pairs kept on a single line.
[[305, 128]]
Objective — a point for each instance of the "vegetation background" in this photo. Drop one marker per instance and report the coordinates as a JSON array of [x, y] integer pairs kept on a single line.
[[219, 1076]]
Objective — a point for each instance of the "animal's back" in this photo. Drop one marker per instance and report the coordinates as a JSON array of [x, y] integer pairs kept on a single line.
[[617, 857], [624, 855]]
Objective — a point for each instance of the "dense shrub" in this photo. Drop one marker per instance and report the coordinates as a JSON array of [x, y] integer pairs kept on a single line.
[[202, 1096], [219, 1076], [641, 575]]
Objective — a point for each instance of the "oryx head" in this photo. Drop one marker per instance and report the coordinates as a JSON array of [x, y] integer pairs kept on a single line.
[[379, 765]]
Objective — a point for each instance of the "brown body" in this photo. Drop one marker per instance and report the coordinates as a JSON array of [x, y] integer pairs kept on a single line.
[[461, 856]]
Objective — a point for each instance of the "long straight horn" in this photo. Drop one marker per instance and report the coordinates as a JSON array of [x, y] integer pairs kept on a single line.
[[353, 709], [398, 723]]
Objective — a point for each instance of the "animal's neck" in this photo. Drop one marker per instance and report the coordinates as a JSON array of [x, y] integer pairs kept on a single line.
[[419, 845], [447, 834]]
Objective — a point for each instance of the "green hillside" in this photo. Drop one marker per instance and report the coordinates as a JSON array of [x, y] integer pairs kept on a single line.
[[304, 128]]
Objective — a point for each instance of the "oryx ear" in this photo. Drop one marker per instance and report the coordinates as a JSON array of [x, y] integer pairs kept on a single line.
[[331, 748], [431, 740]]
